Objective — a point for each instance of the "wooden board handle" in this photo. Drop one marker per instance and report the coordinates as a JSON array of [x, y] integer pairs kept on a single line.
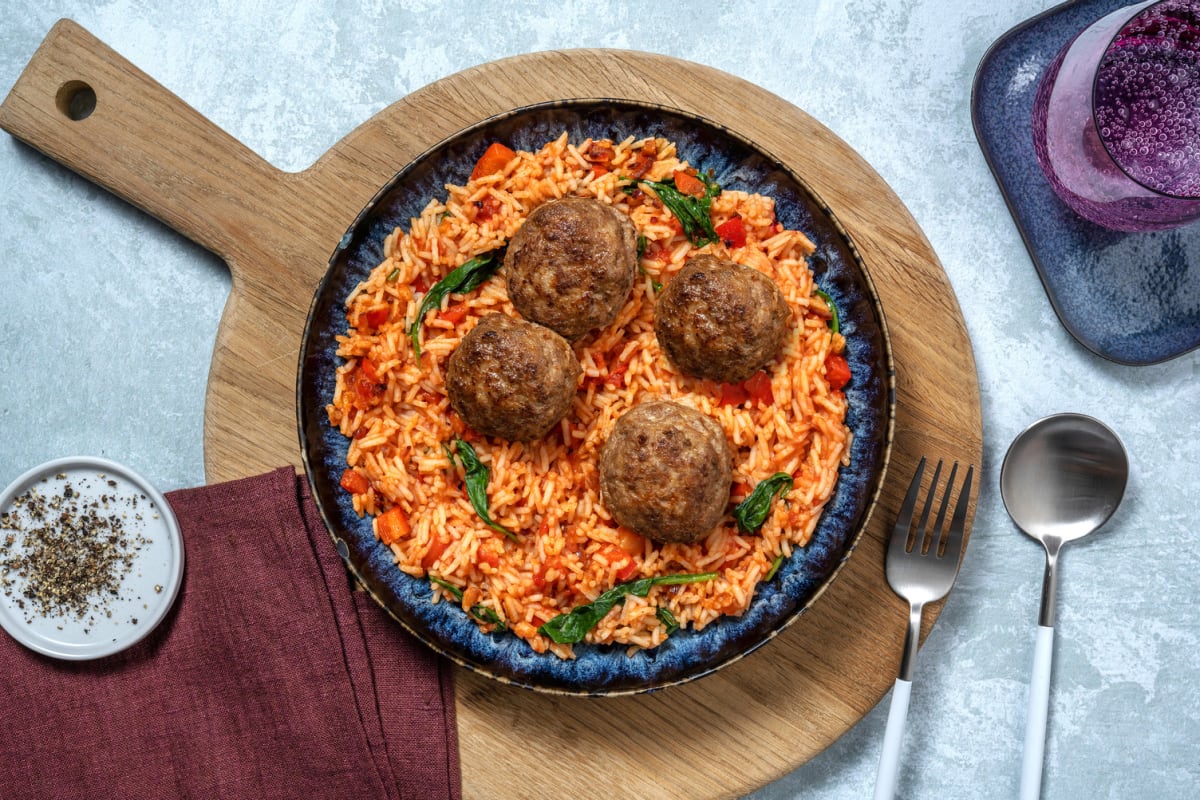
[[140, 141]]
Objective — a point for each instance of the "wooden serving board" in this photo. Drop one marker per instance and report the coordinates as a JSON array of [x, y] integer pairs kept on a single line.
[[720, 736]]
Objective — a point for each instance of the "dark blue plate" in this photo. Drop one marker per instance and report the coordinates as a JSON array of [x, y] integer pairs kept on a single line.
[[1133, 298], [602, 670]]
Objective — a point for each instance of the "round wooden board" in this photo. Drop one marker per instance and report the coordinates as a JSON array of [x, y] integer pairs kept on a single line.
[[720, 736]]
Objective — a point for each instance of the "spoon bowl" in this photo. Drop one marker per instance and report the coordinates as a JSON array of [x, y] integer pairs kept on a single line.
[[1062, 478]]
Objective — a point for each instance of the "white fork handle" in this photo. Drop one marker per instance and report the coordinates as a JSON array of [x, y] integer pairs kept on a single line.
[[1035, 722], [889, 760]]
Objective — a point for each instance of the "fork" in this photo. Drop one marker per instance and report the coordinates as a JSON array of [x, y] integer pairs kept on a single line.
[[921, 569]]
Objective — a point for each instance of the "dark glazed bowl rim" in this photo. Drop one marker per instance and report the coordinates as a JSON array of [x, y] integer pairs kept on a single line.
[[605, 670]]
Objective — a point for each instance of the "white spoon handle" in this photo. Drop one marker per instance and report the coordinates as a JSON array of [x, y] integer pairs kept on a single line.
[[1035, 722], [889, 760]]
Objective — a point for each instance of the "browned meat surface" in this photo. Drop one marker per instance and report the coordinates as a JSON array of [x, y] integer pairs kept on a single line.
[[720, 320], [572, 264], [511, 378], [666, 471]]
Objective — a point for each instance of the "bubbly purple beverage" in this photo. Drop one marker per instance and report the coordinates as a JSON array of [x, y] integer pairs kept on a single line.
[[1116, 118]]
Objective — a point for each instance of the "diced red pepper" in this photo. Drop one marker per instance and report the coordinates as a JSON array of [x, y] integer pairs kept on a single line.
[[688, 183], [392, 526], [837, 372], [354, 482], [494, 159], [732, 232], [454, 314]]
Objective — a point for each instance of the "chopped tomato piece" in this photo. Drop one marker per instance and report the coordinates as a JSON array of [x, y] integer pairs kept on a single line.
[[598, 171], [659, 253], [365, 389], [616, 378], [377, 316], [617, 557], [487, 208], [553, 563], [420, 284], [732, 232], [436, 548], [494, 159], [391, 526], [354, 482], [369, 370], [758, 388], [454, 314], [688, 183], [837, 372], [628, 571], [733, 394], [487, 555]]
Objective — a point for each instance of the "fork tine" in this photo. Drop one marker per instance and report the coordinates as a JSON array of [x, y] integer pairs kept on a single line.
[[904, 518], [959, 522], [939, 525], [922, 531]]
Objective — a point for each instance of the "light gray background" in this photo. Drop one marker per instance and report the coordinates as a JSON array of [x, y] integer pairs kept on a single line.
[[108, 321]]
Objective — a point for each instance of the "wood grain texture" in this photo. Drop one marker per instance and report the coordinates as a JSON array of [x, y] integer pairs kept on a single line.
[[720, 736]]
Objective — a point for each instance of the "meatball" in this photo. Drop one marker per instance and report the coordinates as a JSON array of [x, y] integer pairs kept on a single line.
[[511, 378], [572, 265], [665, 472], [720, 320]]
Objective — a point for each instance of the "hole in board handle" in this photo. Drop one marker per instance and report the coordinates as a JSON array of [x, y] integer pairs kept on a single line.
[[76, 100]]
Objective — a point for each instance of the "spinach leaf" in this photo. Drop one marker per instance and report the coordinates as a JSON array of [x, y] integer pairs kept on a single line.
[[466, 278], [488, 615], [479, 611], [752, 512], [476, 477], [572, 626], [449, 587], [667, 619], [774, 567], [694, 213], [834, 322]]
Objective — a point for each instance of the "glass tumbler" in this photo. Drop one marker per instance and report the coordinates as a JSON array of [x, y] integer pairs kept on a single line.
[[1116, 118]]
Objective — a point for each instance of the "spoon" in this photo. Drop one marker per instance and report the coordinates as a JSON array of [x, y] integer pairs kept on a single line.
[[1062, 478]]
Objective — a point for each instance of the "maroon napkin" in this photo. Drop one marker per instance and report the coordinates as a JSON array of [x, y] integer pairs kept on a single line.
[[270, 678]]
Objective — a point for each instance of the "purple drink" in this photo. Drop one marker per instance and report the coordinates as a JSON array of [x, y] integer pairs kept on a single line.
[[1116, 118]]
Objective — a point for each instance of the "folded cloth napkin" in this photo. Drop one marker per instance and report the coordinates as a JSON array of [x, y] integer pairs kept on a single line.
[[270, 678]]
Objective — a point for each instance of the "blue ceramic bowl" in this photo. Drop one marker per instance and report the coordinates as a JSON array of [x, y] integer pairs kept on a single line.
[[603, 670]]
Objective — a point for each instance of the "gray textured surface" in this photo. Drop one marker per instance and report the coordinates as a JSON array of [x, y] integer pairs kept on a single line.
[[109, 320]]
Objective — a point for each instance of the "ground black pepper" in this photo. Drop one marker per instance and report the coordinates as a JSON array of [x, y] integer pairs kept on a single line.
[[65, 555]]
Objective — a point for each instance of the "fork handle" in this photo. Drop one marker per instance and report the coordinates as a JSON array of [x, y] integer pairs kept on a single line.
[[1035, 721], [889, 760]]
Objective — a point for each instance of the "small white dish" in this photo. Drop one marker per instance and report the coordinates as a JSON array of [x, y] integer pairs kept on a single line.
[[148, 587]]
